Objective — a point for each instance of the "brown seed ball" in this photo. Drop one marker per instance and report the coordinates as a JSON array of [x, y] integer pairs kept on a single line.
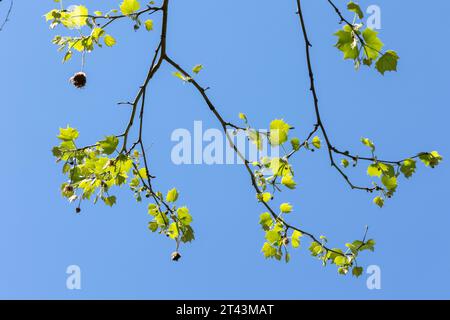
[[176, 256], [78, 210], [79, 80], [285, 241], [68, 188]]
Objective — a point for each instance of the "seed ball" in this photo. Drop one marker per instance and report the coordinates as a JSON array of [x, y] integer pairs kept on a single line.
[[68, 189], [176, 256], [79, 80], [285, 241], [78, 210]]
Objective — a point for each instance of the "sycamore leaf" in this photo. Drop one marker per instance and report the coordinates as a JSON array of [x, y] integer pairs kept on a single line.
[[351, 6], [408, 167], [288, 181], [110, 201], [367, 142], [316, 142], [109, 40], [264, 197], [279, 131], [196, 69], [184, 216], [129, 7], [388, 62], [286, 207], [78, 16], [295, 143], [172, 195], [379, 201], [389, 182], [344, 163], [347, 43], [431, 159], [373, 44], [149, 25], [268, 250], [266, 221], [273, 236], [357, 271], [68, 134], [296, 239], [109, 144]]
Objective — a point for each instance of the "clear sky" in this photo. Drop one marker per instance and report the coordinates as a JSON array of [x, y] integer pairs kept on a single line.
[[254, 62]]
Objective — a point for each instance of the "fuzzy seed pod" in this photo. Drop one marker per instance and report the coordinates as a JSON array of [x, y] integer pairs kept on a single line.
[[79, 80], [68, 188], [176, 256]]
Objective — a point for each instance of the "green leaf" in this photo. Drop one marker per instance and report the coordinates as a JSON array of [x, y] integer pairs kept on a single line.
[[109, 144], [431, 159], [273, 236], [196, 69], [279, 131], [316, 142], [129, 7], [388, 62], [373, 44], [351, 6], [68, 134], [179, 75], [367, 142], [109, 40], [389, 182], [110, 201], [143, 173], [188, 234], [148, 25], [280, 167], [374, 170], [295, 143], [172, 231], [184, 216], [266, 221], [340, 261], [172, 195], [153, 226], [357, 271], [347, 43], [264, 197], [288, 181], [268, 250], [344, 163], [78, 17], [67, 56], [408, 167], [286, 207], [315, 248], [379, 201], [295, 241]]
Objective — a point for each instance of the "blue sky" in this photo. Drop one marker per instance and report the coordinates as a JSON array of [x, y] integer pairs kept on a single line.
[[254, 63]]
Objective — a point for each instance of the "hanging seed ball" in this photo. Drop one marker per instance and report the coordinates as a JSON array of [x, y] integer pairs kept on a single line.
[[285, 241], [176, 256], [78, 210], [68, 188], [79, 80]]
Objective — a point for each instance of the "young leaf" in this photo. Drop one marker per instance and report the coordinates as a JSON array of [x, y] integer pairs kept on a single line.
[[129, 7], [388, 62]]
